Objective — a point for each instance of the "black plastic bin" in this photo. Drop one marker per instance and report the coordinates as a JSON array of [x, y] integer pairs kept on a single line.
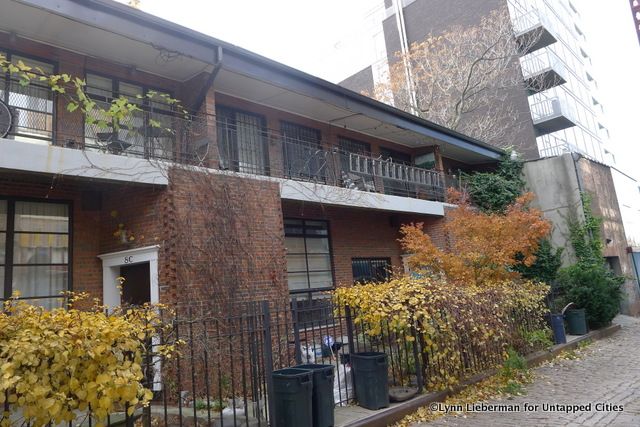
[[371, 377], [292, 389], [557, 326], [577, 321], [322, 395]]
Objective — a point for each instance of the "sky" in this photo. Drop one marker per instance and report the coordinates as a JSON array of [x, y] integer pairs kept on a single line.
[[305, 35]]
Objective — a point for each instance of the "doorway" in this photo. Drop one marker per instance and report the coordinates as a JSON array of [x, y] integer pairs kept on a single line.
[[142, 288], [136, 289]]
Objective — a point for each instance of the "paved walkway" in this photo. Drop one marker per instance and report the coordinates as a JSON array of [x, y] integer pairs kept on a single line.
[[608, 373]]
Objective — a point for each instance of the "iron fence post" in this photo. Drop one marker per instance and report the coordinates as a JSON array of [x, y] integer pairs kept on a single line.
[[268, 362], [416, 360], [296, 331], [349, 321]]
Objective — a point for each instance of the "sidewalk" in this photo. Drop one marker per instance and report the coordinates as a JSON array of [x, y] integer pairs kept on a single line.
[[354, 416]]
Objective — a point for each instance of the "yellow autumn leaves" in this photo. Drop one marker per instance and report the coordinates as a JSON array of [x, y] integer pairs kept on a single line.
[[57, 364], [452, 323]]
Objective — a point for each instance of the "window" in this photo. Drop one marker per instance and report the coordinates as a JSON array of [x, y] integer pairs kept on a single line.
[[242, 141], [31, 105], [309, 269], [368, 270], [303, 154], [308, 255], [34, 250], [134, 135]]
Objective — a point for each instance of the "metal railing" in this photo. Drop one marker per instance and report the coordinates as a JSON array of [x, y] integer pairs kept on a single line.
[[222, 374], [542, 60], [158, 133], [31, 109], [546, 108]]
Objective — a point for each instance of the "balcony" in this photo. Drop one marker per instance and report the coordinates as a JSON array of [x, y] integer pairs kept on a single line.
[[533, 31], [551, 115], [270, 153], [543, 70], [157, 137]]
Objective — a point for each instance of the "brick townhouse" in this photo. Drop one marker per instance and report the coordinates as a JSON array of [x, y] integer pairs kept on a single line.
[[279, 185]]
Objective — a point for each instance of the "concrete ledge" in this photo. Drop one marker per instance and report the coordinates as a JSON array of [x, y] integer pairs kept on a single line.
[[50, 159], [338, 196], [395, 413]]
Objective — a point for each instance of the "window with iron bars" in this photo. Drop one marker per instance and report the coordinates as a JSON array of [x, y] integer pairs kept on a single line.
[[134, 135], [370, 270], [242, 141], [304, 157], [31, 105]]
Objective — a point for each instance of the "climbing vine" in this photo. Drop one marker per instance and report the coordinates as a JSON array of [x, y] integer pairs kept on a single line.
[[589, 283]]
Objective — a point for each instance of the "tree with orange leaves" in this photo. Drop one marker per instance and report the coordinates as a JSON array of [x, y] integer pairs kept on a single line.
[[484, 247]]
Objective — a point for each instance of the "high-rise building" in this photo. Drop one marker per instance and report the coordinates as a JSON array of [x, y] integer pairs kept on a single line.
[[559, 127], [567, 116]]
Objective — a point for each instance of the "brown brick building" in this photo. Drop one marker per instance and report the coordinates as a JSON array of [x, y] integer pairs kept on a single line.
[[279, 184]]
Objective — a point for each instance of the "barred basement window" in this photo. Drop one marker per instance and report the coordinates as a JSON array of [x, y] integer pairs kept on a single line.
[[368, 270], [34, 250]]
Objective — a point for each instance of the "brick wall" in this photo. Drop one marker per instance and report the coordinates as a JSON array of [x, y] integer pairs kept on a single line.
[[361, 233], [229, 238], [87, 270]]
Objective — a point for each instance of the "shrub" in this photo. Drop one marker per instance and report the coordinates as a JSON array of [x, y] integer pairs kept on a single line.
[[458, 326], [589, 283], [594, 288], [495, 191], [56, 364], [545, 267], [484, 247]]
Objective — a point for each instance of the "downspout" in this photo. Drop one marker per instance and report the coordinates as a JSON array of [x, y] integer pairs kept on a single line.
[[404, 48], [212, 77]]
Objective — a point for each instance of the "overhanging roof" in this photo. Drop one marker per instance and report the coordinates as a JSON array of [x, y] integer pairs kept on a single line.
[[118, 33]]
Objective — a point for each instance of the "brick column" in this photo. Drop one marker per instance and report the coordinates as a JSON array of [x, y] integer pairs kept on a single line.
[[68, 126], [275, 147]]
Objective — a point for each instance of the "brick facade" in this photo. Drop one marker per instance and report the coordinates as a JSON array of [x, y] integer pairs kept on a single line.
[[362, 233], [220, 235]]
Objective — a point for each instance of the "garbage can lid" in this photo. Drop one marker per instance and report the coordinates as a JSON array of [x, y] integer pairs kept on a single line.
[[314, 366], [368, 354], [291, 373]]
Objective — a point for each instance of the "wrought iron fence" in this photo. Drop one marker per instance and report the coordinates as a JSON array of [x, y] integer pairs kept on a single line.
[[222, 375]]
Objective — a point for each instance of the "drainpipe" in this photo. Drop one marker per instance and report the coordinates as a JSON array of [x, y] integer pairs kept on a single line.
[[575, 157], [404, 48], [212, 77]]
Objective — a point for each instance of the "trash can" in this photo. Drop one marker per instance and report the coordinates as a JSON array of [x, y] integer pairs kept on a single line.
[[371, 375], [557, 326], [322, 394], [292, 397], [576, 321]]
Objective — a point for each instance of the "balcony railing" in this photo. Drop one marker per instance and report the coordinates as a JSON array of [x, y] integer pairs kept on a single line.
[[160, 134], [551, 115]]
